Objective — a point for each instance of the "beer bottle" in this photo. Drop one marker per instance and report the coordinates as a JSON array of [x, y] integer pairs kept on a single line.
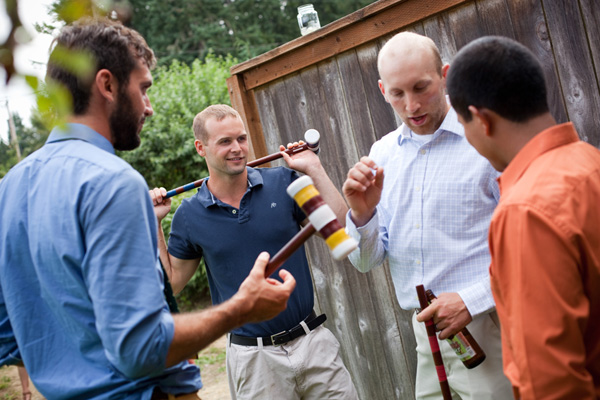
[[463, 343]]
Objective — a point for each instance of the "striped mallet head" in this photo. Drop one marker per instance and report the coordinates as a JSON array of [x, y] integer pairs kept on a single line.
[[322, 217]]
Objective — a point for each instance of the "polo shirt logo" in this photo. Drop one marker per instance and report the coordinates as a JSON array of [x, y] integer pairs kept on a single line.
[[273, 205]]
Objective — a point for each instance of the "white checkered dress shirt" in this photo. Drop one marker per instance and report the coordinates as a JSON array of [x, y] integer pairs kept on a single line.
[[433, 218]]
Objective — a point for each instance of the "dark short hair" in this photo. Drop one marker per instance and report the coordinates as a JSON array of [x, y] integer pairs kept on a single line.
[[499, 74], [111, 45]]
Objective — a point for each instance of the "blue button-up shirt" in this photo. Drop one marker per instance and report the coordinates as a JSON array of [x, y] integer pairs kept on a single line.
[[81, 298], [433, 218]]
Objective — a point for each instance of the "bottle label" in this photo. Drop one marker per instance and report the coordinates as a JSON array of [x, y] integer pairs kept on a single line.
[[461, 347]]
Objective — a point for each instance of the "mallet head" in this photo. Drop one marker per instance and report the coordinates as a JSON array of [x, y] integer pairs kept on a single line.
[[312, 137], [322, 217]]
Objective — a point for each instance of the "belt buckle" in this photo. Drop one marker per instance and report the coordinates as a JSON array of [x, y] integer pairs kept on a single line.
[[275, 336]]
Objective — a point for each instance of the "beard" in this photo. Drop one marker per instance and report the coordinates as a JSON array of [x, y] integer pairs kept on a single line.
[[124, 124]]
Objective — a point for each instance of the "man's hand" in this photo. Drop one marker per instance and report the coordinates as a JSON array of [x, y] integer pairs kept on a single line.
[[449, 314], [302, 161], [264, 298], [162, 206], [362, 190]]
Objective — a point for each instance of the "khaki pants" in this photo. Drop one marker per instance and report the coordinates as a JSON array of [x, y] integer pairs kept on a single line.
[[309, 367], [484, 382]]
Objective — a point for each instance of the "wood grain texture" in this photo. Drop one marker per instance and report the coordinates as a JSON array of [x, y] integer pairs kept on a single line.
[[464, 23], [359, 112], [245, 103], [575, 68], [531, 30], [495, 18]]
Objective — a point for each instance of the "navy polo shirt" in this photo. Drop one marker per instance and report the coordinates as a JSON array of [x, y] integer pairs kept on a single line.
[[230, 239]]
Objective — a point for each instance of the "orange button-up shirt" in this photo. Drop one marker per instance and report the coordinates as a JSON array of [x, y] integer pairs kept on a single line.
[[545, 272]]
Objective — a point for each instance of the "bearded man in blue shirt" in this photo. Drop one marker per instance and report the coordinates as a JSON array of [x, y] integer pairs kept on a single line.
[[81, 290], [429, 218]]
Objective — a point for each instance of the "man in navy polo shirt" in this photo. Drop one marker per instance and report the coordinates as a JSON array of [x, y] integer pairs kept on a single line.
[[238, 213]]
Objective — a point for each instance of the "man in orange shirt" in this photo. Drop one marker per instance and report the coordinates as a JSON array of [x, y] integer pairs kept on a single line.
[[545, 233]]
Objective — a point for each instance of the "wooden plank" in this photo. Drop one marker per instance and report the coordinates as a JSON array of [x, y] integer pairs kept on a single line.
[[396, 335], [464, 24], [382, 115], [283, 115], [280, 62], [438, 30], [575, 68], [297, 99], [494, 18], [359, 109], [245, 104], [591, 17], [264, 102], [531, 30]]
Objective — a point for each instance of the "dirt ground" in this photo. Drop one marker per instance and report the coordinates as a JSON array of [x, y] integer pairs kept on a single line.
[[212, 365]]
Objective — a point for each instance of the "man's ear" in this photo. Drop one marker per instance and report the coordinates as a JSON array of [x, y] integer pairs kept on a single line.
[[106, 84], [199, 147], [445, 70], [382, 89], [483, 117]]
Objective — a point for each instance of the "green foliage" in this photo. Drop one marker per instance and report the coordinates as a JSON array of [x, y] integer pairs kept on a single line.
[[167, 156], [190, 29], [30, 139]]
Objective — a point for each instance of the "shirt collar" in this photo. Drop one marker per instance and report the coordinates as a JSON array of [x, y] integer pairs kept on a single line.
[[450, 124], [546, 140], [207, 199], [74, 131]]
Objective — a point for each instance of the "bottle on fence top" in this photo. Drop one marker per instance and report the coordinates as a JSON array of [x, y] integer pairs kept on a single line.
[[463, 343], [308, 19]]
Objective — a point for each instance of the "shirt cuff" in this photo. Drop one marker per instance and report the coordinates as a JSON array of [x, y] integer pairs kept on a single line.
[[367, 230], [478, 298]]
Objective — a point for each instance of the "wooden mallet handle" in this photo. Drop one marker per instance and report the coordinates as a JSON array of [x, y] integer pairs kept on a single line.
[[286, 251], [435, 346]]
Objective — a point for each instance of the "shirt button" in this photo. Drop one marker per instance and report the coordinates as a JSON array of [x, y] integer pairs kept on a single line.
[[417, 226], [234, 211], [418, 189], [423, 151], [418, 262]]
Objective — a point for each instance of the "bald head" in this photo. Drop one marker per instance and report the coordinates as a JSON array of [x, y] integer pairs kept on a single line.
[[405, 45], [412, 80]]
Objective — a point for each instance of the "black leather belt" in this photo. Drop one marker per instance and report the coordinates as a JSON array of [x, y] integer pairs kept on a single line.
[[312, 321]]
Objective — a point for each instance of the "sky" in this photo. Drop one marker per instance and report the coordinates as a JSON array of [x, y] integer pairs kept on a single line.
[[30, 59]]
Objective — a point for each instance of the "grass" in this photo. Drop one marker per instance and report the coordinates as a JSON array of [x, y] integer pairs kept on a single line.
[[4, 382], [210, 356]]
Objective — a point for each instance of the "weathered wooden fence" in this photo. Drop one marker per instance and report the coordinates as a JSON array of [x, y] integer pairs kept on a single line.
[[327, 80]]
